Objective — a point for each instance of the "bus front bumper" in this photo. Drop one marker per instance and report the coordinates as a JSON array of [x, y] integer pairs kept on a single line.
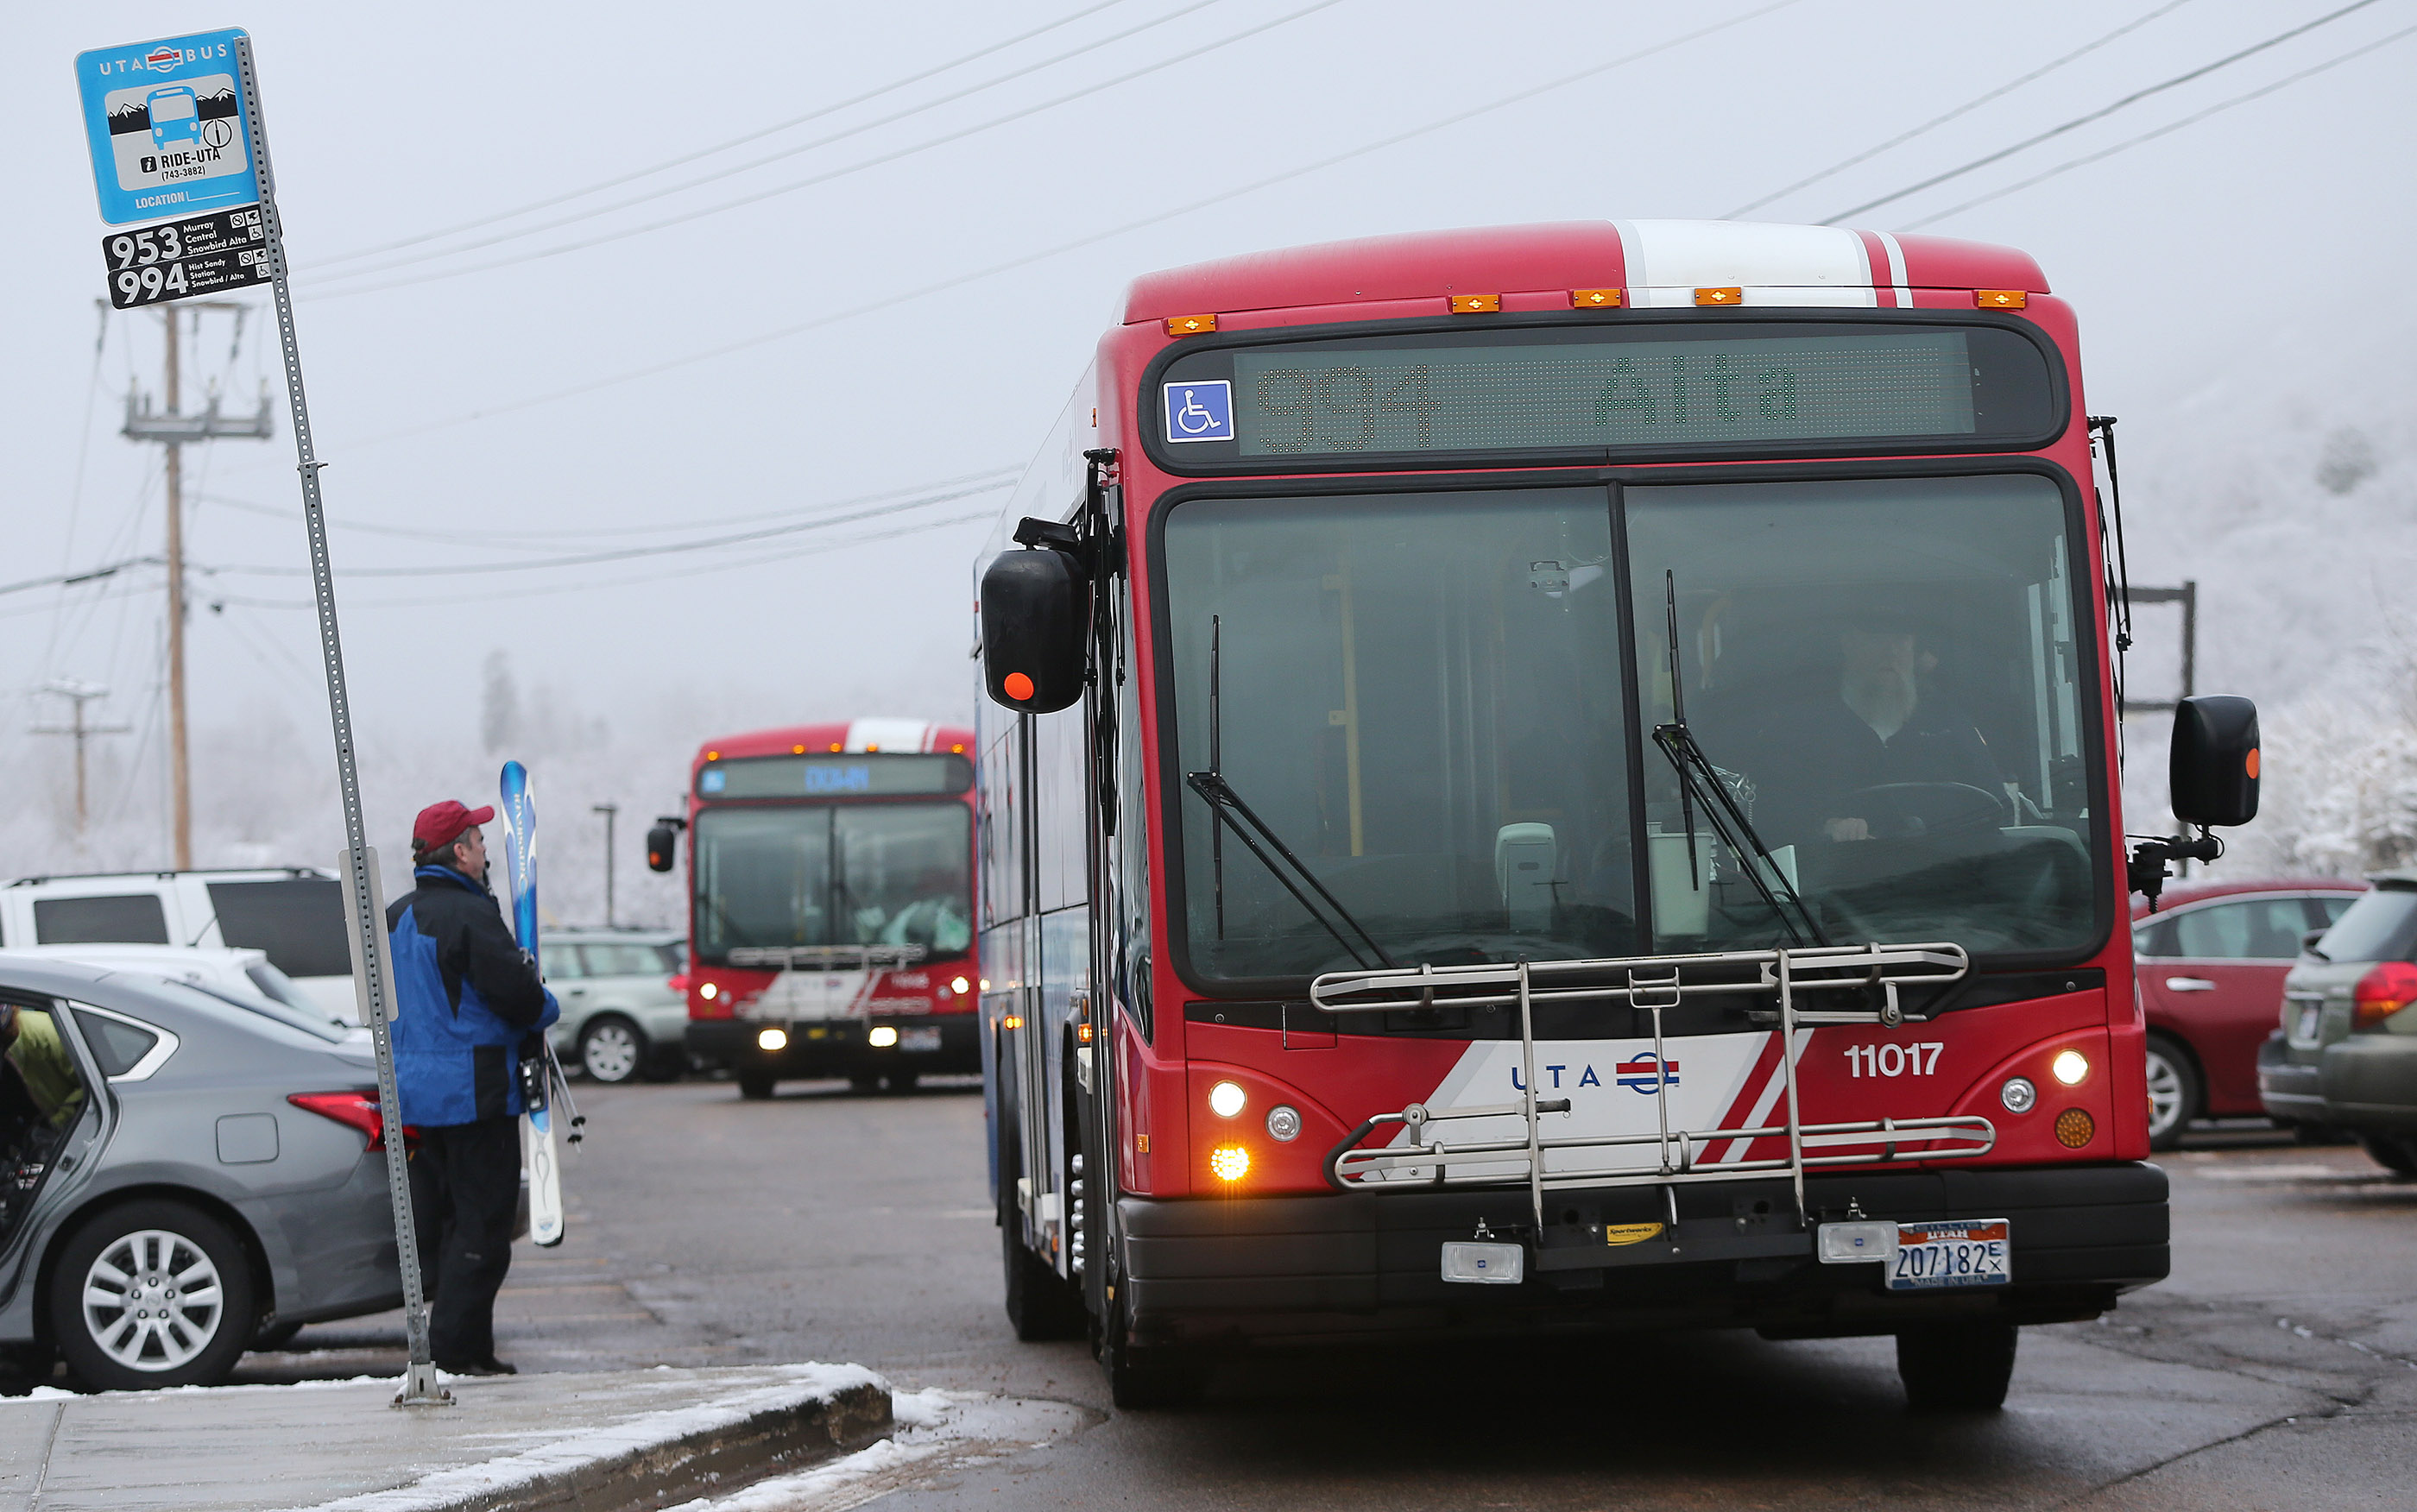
[[843, 1047], [1237, 1270]]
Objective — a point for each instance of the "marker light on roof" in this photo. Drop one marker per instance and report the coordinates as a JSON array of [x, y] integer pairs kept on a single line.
[[1191, 324], [1476, 304], [2000, 298], [1732, 294], [1597, 299]]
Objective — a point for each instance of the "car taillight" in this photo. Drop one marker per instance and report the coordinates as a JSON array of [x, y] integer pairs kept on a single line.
[[677, 984], [356, 1110], [2386, 989]]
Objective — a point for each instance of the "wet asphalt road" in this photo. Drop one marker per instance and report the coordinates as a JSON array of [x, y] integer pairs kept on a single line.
[[2277, 1369]]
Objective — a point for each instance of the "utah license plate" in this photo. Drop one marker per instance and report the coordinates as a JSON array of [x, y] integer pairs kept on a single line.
[[1961, 1252], [924, 1039]]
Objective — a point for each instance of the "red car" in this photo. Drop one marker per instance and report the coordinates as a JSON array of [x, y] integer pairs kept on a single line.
[[2212, 960]]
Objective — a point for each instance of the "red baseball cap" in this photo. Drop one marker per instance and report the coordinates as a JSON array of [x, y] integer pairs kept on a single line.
[[441, 823]]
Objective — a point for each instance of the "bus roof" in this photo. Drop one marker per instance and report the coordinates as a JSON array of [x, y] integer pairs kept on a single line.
[[858, 735], [1651, 261]]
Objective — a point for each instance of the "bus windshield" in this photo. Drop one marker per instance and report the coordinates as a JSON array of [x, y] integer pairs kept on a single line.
[[1421, 698], [834, 875]]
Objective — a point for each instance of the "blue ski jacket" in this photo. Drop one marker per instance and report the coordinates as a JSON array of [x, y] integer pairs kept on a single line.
[[465, 997]]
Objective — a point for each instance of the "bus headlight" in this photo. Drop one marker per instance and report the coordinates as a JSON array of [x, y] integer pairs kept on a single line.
[[2018, 1094], [2069, 1066], [1284, 1124], [1225, 1099], [772, 1040], [1229, 1162], [882, 1037], [709, 991], [959, 986]]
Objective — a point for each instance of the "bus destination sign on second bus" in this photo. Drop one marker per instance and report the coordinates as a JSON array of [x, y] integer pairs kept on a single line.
[[179, 259]]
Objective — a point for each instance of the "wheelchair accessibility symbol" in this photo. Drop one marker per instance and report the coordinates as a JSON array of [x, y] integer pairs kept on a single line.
[[1200, 411]]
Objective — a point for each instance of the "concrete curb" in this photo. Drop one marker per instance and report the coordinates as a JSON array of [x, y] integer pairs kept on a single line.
[[654, 1461]]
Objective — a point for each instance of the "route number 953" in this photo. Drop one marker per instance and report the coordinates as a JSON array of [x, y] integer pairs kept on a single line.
[[1921, 1059]]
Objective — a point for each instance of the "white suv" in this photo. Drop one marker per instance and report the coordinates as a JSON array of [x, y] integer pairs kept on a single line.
[[295, 915]]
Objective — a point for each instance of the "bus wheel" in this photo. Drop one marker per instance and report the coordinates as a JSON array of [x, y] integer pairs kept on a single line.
[[755, 1085], [901, 1083], [1038, 1302], [1142, 1377], [1958, 1367], [864, 1083]]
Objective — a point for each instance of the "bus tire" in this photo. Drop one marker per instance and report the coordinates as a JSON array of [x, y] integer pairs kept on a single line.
[[901, 1083], [755, 1087], [2177, 1093], [1145, 1378], [1957, 1366]]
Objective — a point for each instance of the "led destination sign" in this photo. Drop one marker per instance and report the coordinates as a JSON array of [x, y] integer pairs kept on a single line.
[[1644, 387], [834, 776]]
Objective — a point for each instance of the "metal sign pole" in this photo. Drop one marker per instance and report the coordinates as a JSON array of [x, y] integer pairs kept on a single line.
[[419, 1384]]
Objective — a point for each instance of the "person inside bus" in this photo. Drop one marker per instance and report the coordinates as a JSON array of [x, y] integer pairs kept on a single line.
[[936, 918], [1874, 725]]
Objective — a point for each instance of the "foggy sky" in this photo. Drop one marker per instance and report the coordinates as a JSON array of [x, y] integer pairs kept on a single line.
[[2246, 271]]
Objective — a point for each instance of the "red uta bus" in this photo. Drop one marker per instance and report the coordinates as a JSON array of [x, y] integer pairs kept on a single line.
[[1564, 777], [831, 908]]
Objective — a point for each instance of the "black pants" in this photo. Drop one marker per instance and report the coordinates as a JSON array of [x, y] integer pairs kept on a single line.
[[465, 1188]]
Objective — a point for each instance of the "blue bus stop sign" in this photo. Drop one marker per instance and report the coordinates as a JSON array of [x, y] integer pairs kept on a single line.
[[167, 127]]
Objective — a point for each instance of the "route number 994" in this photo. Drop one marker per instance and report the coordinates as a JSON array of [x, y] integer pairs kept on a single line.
[[1893, 1059]]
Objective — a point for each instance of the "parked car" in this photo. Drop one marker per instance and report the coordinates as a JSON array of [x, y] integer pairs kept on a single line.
[[180, 1177], [621, 1015], [2211, 963], [294, 914], [242, 976], [2345, 1054]]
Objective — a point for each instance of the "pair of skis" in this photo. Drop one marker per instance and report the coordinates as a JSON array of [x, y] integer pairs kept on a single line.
[[542, 1082]]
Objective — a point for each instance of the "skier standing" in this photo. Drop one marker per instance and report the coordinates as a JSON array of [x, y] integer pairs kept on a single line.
[[466, 999]]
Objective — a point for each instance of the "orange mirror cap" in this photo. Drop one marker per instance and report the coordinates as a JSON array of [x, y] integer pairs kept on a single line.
[[2253, 762], [1016, 685]]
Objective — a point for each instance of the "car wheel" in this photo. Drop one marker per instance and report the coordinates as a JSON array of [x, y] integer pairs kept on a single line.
[[2173, 1093], [1951, 1368], [2395, 1152], [755, 1085], [611, 1049], [153, 1294]]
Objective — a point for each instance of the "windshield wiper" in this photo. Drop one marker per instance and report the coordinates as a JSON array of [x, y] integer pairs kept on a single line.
[[1230, 809], [1698, 777]]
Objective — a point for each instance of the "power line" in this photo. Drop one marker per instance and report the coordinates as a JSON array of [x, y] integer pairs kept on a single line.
[[720, 174], [759, 196], [626, 553], [2101, 114], [685, 159], [997, 475], [924, 290], [918, 528], [1965, 109], [2170, 129]]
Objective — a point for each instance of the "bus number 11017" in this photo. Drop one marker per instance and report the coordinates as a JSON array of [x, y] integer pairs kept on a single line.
[[1893, 1060]]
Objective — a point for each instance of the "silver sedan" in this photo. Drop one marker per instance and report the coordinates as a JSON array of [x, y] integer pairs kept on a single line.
[[181, 1175]]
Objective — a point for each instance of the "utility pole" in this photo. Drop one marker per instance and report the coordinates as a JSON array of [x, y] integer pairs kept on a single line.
[[608, 810], [172, 430], [79, 694]]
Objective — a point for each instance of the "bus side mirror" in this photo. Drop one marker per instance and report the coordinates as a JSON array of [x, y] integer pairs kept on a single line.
[[662, 845], [1033, 611], [2213, 766]]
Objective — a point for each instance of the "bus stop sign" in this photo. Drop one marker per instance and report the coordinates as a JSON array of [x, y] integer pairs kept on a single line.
[[167, 127]]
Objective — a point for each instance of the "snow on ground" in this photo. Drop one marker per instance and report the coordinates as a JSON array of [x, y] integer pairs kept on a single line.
[[937, 1431]]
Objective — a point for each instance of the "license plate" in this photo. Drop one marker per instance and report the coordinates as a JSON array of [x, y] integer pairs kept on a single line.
[[1963, 1252], [925, 1038], [2310, 1014]]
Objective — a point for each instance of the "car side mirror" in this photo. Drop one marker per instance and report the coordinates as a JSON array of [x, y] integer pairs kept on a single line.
[[662, 843], [2309, 942], [1035, 610], [2213, 763]]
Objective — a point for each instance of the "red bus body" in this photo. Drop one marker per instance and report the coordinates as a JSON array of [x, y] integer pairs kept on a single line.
[[1178, 1227], [799, 997]]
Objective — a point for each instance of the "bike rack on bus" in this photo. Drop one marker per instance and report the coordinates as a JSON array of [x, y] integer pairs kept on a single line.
[[1651, 984], [840, 957]]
